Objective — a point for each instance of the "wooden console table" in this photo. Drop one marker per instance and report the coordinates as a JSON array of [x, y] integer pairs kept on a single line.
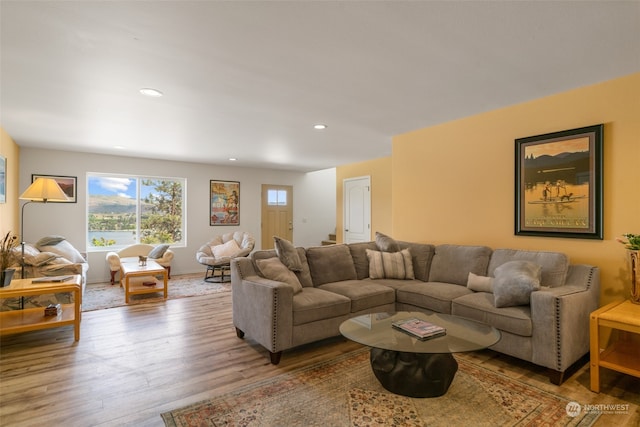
[[33, 319], [622, 353]]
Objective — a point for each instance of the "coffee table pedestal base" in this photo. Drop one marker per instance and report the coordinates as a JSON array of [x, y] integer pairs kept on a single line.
[[414, 374]]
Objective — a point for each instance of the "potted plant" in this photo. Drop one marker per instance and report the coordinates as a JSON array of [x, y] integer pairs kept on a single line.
[[632, 243], [7, 244]]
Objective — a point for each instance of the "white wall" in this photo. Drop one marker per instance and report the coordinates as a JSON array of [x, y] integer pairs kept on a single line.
[[314, 201]]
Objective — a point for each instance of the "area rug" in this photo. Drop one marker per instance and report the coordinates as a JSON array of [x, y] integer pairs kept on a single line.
[[103, 295], [344, 392]]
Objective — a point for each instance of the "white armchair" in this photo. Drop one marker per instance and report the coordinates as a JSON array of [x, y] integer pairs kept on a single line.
[[160, 254], [218, 252]]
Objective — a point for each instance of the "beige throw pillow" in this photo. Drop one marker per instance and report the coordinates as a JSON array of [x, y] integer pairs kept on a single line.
[[273, 269], [225, 250], [390, 265], [480, 283]]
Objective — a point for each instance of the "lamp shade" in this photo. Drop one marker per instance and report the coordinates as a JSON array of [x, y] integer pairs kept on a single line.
[[44, 190]]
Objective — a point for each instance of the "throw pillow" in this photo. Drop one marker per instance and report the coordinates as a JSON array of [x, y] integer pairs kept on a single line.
[[66, 250], [274, 269], [386, 243], [225, 250], [390, 265], [158, 251], [480, 283], [514, 282], [287, 253], [41, 259], [49, 241]]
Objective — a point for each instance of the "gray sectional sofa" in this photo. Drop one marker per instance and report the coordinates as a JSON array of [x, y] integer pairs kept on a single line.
[[334, 283]]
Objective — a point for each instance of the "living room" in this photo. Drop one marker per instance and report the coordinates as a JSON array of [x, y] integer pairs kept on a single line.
[[451, 182]]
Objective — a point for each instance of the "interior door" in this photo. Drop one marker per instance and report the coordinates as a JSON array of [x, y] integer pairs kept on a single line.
[[277, 213], [357, 209]]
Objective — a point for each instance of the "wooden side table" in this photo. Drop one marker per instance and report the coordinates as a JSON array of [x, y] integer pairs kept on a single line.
[[33, 319], [623, 353]]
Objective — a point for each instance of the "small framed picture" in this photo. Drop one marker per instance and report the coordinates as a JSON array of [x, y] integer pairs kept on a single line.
[[559, 184], [68, 184]]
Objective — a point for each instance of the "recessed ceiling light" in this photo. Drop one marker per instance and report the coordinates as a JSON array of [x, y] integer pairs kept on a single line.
[[320, 126], [118, 147], [151, 92], [232, 159]]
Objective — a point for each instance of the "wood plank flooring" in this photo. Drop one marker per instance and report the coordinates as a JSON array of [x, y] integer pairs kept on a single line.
[[133, 363]]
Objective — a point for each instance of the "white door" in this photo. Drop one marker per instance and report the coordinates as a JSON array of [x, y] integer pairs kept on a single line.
[[357, 209]]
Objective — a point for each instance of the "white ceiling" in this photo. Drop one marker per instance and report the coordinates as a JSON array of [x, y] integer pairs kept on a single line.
[[249, 79]]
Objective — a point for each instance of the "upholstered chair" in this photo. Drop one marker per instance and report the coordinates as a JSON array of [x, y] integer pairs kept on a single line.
[[218, 252], [160, 254]]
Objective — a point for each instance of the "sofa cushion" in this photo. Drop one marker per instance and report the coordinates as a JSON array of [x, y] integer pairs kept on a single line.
[[435, 296], [390, 265], [331, 263], [273, 269], [360, 260], [364, 294], [304, 276], [158, 251], [453, 263], [313, 304], [386, 243], [287, 253], [480, 283], [514, 282], [479, 306], [555, 265]]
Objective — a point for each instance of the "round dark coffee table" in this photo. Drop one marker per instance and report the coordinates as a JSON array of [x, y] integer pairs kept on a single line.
[[408, 366]]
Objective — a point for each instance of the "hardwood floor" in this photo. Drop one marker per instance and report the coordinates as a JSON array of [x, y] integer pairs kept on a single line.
[[133, 363]]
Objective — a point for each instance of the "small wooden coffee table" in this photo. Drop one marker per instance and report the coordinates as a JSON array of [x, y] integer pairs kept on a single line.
[[142, 274]]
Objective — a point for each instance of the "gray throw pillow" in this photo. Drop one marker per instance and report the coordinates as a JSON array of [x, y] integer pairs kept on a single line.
[[158, 251], [287, 253], [514, 282], [386, 243], [49, 241]]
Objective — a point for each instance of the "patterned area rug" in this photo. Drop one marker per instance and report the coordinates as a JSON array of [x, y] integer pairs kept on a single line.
[[102, 295], [344, 392]]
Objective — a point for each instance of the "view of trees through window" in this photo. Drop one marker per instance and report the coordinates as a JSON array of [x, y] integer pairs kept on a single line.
[[123, 210]]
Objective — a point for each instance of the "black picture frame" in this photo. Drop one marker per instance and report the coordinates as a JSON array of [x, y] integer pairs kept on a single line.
[[558, 184], [68, 184], [224, 202]]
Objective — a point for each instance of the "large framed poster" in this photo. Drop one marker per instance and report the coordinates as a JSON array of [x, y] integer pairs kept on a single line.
[[558, 191], [224, 202]]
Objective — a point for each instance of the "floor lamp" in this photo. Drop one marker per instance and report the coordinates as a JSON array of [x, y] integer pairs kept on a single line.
[[42, 190]]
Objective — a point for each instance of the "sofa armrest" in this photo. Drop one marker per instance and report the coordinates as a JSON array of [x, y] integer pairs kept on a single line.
[[113, 259], [560, 318], [262, 308]]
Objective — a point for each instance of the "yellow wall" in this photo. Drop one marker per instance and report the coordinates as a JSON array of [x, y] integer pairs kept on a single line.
[[454, 182], [9, 210], [380, 172]]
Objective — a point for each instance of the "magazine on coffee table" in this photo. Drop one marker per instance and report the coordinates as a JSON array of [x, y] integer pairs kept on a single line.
[[419, 328]]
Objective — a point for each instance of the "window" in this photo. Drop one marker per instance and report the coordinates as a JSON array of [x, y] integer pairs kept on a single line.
[[277, 197], [123, 210]]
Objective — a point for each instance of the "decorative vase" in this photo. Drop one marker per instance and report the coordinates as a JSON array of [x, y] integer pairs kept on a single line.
[[634, 269], [6, 276]]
